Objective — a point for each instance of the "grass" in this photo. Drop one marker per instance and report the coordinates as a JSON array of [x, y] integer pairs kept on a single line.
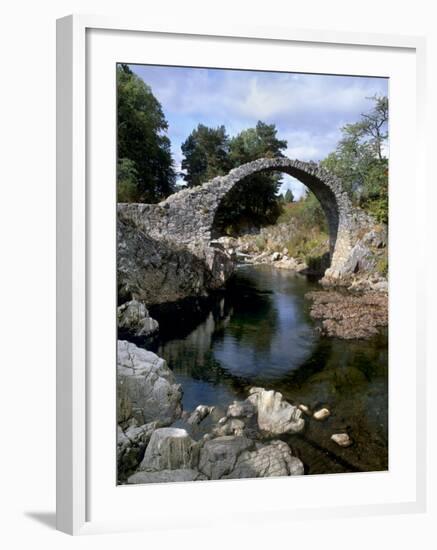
[[309, 239]]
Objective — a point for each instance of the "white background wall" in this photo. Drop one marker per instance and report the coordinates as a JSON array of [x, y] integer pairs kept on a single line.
[[27, 260]]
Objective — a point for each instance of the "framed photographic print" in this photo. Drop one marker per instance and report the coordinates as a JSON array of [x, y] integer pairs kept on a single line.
[[234, 325]]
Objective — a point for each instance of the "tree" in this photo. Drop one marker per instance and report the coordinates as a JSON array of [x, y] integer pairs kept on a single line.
[[144, 163], [206, 155], [359, 160], [288, 197]]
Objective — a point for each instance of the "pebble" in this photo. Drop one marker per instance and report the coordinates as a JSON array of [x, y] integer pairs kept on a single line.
[[342, 439], [305, 409], [322, 414]]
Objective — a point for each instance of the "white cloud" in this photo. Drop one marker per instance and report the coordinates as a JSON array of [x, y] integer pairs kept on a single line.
[[308, 110]]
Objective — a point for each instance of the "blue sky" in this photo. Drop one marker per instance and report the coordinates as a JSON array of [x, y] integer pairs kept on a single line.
[[308, 110]]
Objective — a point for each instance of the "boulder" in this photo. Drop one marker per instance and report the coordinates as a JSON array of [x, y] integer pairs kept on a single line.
[[275, 415], [165, 476], [133, 317], [131, 444], [272, 460], [146, 387], [360, 259], [153, 267], [169, 449], [218, 456]]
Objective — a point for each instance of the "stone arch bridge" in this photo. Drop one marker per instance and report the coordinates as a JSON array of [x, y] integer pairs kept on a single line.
[[187, 218]]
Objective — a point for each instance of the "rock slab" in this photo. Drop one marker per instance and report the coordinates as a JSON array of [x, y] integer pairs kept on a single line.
[[133, 317], [275, 415], [146, 387], [169, 449]]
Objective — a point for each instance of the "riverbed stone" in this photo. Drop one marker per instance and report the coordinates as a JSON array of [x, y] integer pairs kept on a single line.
[[169, 449], [322, 414], [199, 414], [166, 476], [272, 460], [305, 409], [131, 444], [132, 316], [241, 409], [232, 426], [218, 456], [342, 439], [146, 387], [275, 415]]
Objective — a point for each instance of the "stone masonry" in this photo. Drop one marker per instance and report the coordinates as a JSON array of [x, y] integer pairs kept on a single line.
[[187, 218]]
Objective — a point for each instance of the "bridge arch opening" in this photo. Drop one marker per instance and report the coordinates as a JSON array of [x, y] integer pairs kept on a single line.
[[306, 173]]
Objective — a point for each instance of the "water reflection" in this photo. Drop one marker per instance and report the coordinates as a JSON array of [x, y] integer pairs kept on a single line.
[[256, 332]]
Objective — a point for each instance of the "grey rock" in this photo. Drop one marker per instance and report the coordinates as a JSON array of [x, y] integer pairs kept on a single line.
[[272, 460], [134, 317], [380, 286], [199, 414], [131, 444], [241, 409], [275, 415], [232, 426], [146, 388], [166, 476], [218, 456], [169, 449], [360, 259], [157, 270]]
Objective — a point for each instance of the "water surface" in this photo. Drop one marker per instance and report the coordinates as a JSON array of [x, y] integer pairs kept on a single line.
[[258, 332]]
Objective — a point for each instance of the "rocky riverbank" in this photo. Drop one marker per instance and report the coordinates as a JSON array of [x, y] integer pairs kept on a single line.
[[358, 310], [347, 315], [245, 251], [160, 442], [366, 267]]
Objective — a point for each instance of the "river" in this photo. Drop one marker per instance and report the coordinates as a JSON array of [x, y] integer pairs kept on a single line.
[[258, 332]]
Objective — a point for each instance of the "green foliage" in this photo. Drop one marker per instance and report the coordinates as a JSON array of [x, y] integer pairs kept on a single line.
[[309, 240], [260, 242], [206, 155], [254, 202], [145, 167], [382, 265], [127, 181], [360, 163], [305, 214]]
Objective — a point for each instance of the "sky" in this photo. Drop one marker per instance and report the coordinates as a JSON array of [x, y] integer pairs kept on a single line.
[[308, 110]]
